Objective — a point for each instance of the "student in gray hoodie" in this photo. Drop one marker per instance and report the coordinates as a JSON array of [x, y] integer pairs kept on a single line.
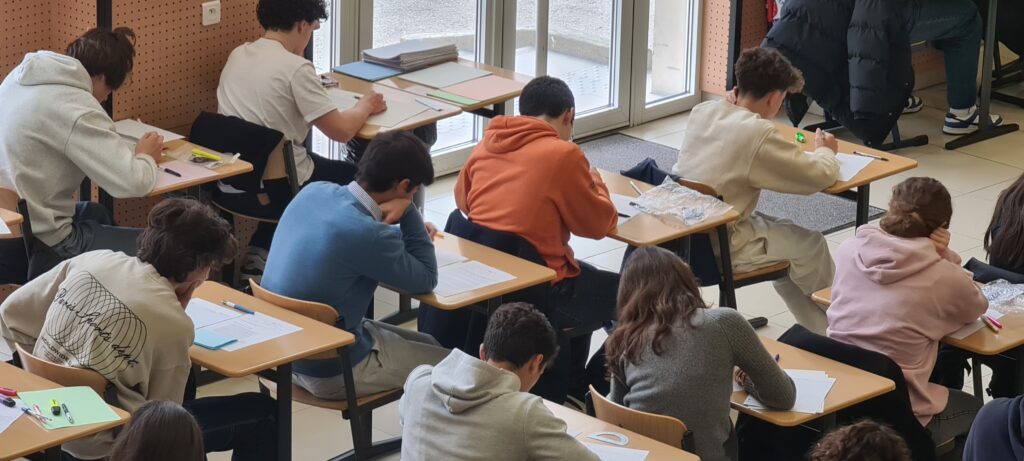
[[468, 409], [55, 133]]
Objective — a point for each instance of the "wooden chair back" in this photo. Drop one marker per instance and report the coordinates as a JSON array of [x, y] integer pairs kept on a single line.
[[665, 429], [60, 374], [317, 311]]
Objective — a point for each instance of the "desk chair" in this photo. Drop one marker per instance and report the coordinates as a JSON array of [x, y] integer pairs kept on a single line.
[[727, 291], [14, 253], [262, 189], [39, 257], [665, 429], [60, 374], [358, 410]]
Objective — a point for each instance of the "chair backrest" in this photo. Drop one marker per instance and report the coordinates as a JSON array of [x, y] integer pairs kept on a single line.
[[665, 429], [253, 142], [506, 242], [317, 311], [60, 374]]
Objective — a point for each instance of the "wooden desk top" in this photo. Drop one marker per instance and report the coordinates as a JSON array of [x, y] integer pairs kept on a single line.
[[315, 337], [26, 436], [875, 170], [368, 131], [589, 425], [644, 230], [498, 97], [981, 342], [852, 385], [11, 218], [527, 274], [181, 150]]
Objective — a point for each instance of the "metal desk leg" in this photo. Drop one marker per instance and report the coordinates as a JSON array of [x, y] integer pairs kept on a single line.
[[728, 296], [979, 392], [405, 311], [284, 412], [863, 204]]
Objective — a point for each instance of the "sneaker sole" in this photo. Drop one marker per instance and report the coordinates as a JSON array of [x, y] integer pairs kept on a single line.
[[913, 110], [959, 131]]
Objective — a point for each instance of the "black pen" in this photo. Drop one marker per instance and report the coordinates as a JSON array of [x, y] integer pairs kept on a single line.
[[67, 413], [870, 156], [170, 172]]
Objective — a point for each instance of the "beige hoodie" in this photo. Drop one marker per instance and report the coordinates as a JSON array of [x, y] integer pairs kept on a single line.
[[466, 409], [111, 313]]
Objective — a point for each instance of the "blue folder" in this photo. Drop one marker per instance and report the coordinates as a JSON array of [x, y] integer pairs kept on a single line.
[[210, 340], [366, 71]]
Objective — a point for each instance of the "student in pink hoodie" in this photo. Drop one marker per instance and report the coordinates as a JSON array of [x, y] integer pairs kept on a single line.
[[899, 289]]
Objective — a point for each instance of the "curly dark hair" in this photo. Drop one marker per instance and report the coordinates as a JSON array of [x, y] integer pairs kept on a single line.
[[517, 332], [862, 441], [283, 14], [760, 71], [110, 53], [184, 235]]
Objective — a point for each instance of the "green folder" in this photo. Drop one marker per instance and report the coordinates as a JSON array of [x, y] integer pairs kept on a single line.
[[460, 100], [85, 405]]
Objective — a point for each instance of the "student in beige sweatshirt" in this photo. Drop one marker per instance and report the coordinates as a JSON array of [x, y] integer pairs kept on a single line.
[[124, 317], [733, 146]]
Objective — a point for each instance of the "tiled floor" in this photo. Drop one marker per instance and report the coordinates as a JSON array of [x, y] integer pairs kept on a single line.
[[974, 175]]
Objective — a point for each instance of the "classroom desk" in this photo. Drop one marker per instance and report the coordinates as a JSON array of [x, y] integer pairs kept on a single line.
[[527, 274], [427, 117], [983, 342], [279, 353], [577, 421], [26, 436], [10, 218], [852, 386], [875, 170], [497, 99], [181, 150]]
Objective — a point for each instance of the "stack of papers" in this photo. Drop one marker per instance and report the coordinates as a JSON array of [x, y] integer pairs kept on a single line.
[[366, 71], [811, 389], [411, 54], [133, 130], [397, 112], [976, 325], [211, 320], [467, 275], [610, 453]]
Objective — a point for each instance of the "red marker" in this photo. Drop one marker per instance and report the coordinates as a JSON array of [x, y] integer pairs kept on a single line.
[[8, 391]]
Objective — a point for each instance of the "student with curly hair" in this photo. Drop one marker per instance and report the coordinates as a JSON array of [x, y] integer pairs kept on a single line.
[[862, 441], [899, 289], [733, 146]]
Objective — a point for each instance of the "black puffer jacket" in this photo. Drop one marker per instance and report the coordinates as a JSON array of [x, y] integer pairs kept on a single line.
[[855, 57]]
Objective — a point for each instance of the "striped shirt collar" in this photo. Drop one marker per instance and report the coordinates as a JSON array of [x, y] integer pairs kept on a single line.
[[366, 201]]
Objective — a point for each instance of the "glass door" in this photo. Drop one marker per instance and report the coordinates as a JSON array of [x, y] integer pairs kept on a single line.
[[665, 58]]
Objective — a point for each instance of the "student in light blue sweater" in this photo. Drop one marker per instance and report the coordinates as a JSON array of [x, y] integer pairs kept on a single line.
[[335, 243]]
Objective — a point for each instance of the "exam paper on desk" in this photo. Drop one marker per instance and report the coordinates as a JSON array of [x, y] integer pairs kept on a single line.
[[397, 112], [849, 164], [467, 276], [624, 205], [204, 313], [8, 415], [134, 130], [250, 329], [447, 258], [188, 172], [812, 387], [610, 453], [976, 325]]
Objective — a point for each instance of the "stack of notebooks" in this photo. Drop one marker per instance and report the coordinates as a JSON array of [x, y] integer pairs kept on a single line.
[[411, 55]]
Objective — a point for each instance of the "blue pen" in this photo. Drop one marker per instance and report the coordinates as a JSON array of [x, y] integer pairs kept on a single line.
[[237, 307]]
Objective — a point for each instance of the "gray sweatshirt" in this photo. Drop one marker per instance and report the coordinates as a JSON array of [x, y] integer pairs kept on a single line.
[[53, 134], [466, 409], [692, 378]]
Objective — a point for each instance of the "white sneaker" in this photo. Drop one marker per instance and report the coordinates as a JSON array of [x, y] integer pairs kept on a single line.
[[966, 124]]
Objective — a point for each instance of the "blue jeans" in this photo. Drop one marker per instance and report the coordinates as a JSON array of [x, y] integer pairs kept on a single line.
[[954, 27]]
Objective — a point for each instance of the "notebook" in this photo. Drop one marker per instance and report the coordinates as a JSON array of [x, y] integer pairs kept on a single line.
[[486, 87], [444, 75]]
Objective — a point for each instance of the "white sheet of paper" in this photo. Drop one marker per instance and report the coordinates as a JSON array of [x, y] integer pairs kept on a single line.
[[204, 313], [446, 258], [398, 112], [622, 205], [188, 171], [135, 130], [610, 453], [974, 326], [572, 432], [249, 329], [444, 75], [467, 276], [4, 230], [345, 100], [9, 415], [849, 164], [811, 389]]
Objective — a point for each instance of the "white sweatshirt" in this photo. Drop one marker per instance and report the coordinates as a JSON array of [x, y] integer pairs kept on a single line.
[[466, 409], [111, 313], [53, 134]]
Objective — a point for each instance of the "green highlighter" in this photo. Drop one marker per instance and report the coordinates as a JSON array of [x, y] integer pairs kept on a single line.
[[800, 137]]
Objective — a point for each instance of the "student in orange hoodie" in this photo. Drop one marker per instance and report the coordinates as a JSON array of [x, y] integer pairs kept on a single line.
[[527, 177]]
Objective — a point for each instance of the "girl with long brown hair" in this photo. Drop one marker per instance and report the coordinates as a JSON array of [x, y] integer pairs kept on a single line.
[[672, 355], [1004, 239], [160, 430]]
